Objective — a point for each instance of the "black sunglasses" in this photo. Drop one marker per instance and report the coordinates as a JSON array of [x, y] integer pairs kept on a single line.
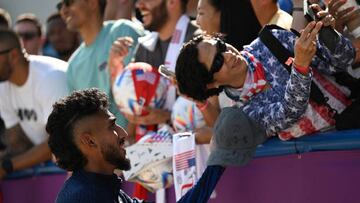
[[27, 35], [218, 61], [5, 51]]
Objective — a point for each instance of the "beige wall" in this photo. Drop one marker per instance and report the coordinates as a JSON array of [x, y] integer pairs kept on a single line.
[[41, 8]]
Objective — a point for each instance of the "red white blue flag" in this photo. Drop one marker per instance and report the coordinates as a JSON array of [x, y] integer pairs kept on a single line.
[[184, 168], [185, 160]]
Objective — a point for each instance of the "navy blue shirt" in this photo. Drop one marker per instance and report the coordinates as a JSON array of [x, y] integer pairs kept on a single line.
[[201, 192], [87, 187]]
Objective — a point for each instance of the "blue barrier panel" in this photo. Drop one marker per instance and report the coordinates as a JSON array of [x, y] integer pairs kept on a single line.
[[327, 141]]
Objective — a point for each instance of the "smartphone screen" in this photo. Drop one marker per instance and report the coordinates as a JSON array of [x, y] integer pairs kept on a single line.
[[164, 71]]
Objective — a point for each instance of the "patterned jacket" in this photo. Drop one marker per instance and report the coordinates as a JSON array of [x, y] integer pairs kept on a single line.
[[281, 105]]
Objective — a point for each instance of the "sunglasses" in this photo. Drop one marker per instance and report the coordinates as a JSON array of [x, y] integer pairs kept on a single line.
[[28, 35], [218, 61], [5, 51]]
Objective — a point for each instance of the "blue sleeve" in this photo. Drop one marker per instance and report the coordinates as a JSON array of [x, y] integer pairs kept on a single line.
[[204, 187], [324, 60], [283, 112], [338, 61]]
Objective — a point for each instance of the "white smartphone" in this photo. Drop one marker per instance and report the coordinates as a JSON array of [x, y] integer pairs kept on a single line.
[[164, 71]]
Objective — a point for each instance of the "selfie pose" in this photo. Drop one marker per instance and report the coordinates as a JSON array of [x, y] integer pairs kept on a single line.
[[275, 97]]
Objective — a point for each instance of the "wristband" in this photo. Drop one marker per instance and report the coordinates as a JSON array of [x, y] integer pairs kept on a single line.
[[7, 165], [202, 106], [301, 69]]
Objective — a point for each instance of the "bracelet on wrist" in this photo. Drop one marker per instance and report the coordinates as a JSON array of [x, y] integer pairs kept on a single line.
[[302, 69], [7, 165], [202, 106]]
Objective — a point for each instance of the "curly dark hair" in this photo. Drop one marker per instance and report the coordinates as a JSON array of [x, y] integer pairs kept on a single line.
[[191, 75], [62, 120]]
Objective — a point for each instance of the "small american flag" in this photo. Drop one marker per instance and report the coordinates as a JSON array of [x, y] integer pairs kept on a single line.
[[185, 160], [148, 77]]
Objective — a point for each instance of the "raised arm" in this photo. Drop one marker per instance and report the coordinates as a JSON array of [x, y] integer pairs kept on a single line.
[[278, 115], [205, 186], [344, 54]]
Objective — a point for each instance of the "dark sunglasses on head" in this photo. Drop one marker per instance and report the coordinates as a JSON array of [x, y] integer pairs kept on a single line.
[[218, 61], [27, 35], [5, 51]]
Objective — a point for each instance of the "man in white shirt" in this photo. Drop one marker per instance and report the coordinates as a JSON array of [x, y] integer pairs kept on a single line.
[[29, 85]]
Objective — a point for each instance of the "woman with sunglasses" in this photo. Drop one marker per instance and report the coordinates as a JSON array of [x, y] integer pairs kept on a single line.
[[216, 16], [270, 95]]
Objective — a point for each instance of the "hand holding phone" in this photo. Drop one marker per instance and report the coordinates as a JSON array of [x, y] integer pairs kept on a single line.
[[164, 71], [327, 35]]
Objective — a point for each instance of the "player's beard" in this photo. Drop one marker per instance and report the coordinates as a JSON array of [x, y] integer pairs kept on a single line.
[[113, 156]]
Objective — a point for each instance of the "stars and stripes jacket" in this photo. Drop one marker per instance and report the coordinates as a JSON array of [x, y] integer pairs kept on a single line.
[[286, 100]]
